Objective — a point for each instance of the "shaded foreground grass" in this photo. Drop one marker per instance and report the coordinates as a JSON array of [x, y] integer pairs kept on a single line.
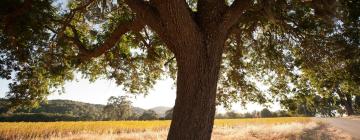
[[264, 128]]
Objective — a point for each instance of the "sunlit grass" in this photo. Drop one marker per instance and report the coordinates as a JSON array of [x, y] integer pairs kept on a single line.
[[235, 122], [18, 130]]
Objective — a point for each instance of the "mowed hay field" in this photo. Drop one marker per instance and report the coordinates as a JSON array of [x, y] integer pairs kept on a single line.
[[224, 129]]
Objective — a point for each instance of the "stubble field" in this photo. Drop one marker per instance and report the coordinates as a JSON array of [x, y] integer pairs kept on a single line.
[[224, 129]]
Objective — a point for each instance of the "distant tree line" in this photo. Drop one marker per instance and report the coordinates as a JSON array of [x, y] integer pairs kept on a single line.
[[264, 113], [117, 108], [120, 108], [38, 117]]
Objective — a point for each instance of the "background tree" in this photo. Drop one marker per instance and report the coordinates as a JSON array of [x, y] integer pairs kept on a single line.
[[232, 115], [202, 43], [149, 115], [220, 116], [282, 113], [118, 108], [334, 69], [357, 104], [248, 115], [265, 113]]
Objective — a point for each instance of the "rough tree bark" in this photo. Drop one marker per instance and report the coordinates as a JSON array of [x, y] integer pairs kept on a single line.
[[357, 100], [346, 101], [349, 105], [198, 72], [197, 40]]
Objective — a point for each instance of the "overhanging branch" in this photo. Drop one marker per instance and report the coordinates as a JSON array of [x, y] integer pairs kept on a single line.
[[122, 28], [169, 19], [10, 18], [209, 12], [234, 12], [148, 15], [69, 17]]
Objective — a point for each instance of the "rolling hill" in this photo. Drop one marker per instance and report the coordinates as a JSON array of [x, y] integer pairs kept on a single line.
[[76, 109], [160, 110]]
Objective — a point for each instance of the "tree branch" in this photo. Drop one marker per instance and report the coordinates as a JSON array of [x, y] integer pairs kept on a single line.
[[178, 22], [10, 18], [169, 61], [210, 12], [169, 19], [83, 6], [147, 14], [234, 12], [122, 28], [77, 41], [69, 17]]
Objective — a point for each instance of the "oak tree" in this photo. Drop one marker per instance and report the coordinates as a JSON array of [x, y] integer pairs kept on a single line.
[[118, 108], [332, 69], [215, 49]]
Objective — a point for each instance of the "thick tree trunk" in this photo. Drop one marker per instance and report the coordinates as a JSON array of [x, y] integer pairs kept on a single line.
[[346, 101], [357, 104], [349, 106], [197, 40], [194, 111]]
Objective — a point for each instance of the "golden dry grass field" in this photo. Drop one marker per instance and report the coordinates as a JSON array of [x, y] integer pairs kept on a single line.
[[227, 129]]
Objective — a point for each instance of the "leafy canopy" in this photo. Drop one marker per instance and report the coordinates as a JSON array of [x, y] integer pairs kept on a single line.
[[44, 43]]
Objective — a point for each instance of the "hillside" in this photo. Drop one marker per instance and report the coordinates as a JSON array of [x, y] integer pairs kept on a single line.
[[76, 109], [81, 109], [160, 110]]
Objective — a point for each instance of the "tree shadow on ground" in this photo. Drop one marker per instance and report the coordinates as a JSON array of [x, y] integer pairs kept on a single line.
[[324, 132]]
